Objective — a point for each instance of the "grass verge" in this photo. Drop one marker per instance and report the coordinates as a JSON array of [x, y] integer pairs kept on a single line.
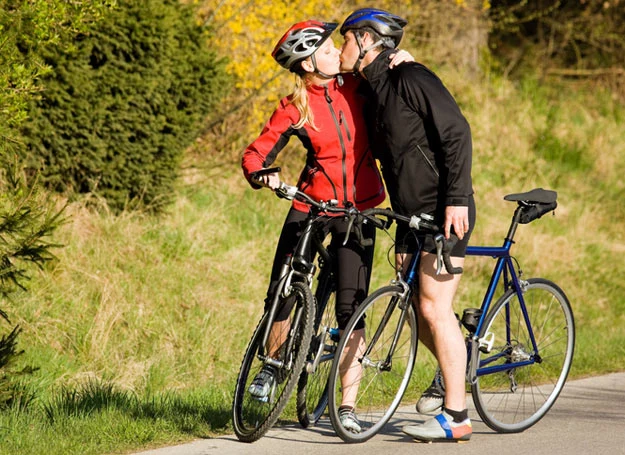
[[137, 332]]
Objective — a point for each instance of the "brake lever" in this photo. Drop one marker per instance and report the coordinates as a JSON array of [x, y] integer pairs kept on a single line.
[[361, 240], [439, 239], [286, 191], [349, 229]]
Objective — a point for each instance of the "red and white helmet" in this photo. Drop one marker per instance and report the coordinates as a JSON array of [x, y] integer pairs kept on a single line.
[[300, 42]]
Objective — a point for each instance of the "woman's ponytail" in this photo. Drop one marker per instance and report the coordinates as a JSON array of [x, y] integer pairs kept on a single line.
[[299, 99]]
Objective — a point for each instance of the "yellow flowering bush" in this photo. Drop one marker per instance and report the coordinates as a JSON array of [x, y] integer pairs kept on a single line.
[[246, 33]]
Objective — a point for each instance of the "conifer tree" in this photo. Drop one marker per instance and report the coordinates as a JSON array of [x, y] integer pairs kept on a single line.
[[28, 219], [119, 109]]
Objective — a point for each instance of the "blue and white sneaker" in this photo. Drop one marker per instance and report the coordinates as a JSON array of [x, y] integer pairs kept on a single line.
[[441, 428]]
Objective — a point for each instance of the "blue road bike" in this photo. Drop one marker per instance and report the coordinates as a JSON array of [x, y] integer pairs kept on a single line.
[[520, 342]]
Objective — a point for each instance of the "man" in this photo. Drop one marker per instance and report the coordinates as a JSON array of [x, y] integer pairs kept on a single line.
[[423, 143]]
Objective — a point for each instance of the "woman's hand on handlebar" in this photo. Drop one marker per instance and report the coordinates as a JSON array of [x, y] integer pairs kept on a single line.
[[268, 177], [271, 181]]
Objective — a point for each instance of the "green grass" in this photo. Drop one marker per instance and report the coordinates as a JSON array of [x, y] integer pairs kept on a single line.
[[138, 330], [99, 418]]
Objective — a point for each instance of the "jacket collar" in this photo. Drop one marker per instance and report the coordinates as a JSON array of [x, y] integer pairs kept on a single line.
[[375, 71], [320, 89]]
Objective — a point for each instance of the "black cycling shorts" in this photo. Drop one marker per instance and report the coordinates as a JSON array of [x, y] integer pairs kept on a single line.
[[407, 241], [353, 263]]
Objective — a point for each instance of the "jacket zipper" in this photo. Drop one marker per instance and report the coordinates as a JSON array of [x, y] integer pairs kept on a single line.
[[342, 141], [343, 122], [428, 161]]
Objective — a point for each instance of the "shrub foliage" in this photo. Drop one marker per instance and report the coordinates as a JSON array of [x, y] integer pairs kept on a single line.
[[25, 28], [120, 107]]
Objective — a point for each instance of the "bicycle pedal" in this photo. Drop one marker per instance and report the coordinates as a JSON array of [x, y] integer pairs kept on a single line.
[[486, 343]]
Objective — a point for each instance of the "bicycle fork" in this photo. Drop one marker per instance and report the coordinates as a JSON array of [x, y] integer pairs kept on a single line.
[[402, 301], [302, 271]]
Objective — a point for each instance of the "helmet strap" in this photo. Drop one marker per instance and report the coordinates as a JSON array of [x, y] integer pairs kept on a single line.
[[321, 73], [363, 51]]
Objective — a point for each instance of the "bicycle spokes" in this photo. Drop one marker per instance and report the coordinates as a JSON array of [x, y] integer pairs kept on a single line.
[[374, 377], [520, 376]]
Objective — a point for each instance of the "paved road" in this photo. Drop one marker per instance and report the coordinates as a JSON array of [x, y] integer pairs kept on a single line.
[[588, 418]]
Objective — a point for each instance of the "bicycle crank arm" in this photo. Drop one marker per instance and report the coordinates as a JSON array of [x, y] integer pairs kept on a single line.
[[311, 365]]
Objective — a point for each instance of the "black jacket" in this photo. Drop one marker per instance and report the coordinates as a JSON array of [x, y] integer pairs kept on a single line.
[[420, 137]]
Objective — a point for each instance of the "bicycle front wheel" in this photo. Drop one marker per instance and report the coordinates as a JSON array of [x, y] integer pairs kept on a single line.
[[373, 375], [510, 400], [253, 417], [312, 388]]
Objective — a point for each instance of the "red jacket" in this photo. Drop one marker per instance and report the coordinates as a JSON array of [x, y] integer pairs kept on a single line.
[[339, 163]]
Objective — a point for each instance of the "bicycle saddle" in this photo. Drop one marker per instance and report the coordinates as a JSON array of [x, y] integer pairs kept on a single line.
[[537, 195]]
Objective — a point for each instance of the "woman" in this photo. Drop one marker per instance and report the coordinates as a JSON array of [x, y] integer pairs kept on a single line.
[[325, 113]]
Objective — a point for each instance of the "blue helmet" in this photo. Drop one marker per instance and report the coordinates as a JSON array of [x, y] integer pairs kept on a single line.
[[389, 26]]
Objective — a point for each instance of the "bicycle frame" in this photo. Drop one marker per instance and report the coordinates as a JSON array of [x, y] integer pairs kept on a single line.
[[512, 384], [503, 271], [294, 267], [504, 268]]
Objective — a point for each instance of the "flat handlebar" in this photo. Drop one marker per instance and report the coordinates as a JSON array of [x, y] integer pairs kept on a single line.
[[422, 223]]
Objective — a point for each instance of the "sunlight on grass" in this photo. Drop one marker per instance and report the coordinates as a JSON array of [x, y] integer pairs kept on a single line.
[[139, 329], [99, 418]]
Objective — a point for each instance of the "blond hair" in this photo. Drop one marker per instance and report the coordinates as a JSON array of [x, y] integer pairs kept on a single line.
[[299, 99]]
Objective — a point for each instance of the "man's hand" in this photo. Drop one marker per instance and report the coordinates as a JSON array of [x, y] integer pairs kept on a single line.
[[458, 217]]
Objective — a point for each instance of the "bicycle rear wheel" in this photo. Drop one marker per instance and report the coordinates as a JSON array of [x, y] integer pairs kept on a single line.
[[312, 388], [513, 399], [253, 417], [383, 374]]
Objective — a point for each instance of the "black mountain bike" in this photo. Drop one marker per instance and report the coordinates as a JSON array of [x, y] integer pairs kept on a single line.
[[305, 356]]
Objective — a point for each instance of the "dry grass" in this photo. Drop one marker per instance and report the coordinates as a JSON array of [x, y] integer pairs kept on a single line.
[[160, 304], [155, 304], [170, 302]]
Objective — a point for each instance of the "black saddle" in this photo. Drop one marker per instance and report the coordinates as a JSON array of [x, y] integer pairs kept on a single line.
[[537, 195], [534, 204]]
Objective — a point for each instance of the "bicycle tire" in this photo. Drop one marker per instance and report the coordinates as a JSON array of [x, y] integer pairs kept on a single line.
[[381, 386], [312, 388], [511, 401], [251, 417]]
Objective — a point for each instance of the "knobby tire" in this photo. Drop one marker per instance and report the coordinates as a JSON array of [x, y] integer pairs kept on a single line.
[[252, 418]]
